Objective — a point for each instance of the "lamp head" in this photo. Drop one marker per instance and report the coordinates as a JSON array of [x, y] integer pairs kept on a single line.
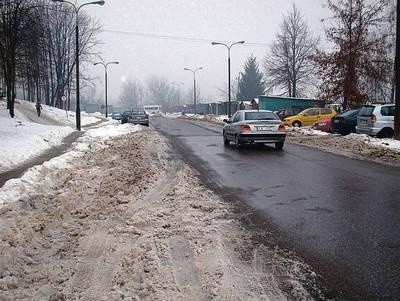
[[99, 2]]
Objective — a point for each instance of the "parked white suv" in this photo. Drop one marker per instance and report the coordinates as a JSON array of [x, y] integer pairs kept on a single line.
[[376, 120]]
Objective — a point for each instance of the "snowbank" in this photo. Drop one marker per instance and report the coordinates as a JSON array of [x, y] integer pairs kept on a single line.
[[384, 143], [26, 187], [28, 135]]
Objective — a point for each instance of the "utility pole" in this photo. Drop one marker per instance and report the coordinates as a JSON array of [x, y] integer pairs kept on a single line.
[[194, 86], [105, 65], [77, 9], [229, 70]]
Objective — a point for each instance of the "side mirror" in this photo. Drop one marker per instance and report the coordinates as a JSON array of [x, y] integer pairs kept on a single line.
[[226, 121]]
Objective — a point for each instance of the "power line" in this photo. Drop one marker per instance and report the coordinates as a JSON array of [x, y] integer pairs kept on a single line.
[[194, 40], [178, 38]]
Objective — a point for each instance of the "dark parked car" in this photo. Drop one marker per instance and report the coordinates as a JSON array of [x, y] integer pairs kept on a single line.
[[135, 117], [345, 123], [116, 116]]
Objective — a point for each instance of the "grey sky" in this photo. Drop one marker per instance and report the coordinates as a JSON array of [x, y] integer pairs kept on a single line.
[[255, 21]]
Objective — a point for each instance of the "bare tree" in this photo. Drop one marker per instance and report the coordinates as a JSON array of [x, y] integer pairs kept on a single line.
[[289, 66], [397, 75], [223, 91], [189, 95], [36, 48], [359, 57], [13, 18], [132, 95], [159, 91], [61, 44], [32, 62], [174, 96]]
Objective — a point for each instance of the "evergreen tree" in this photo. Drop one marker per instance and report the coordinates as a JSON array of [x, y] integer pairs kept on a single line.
[[251, 82]]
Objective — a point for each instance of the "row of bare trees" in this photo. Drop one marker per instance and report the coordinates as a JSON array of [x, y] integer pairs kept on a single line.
[[156, 90], [36, 49], [355, 63]]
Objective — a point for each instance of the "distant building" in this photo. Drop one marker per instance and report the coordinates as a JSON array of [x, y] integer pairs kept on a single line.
[[275, 103]]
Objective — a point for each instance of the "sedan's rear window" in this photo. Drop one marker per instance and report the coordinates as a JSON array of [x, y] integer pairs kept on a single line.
[[260, 116], [366, 111]]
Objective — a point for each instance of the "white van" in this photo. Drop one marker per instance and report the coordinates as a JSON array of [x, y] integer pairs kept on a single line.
[[376, 120], [152, 109]]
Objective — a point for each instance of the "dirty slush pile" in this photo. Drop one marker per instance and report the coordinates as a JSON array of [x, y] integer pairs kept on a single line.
[[130, 222], [352, 148]]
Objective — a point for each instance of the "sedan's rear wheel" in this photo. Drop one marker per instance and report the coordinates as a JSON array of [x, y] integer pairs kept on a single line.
[[237, 142], [279, 145], [226, 141]]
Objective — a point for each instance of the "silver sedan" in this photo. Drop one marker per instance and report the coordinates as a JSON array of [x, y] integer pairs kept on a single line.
[[252, 126]]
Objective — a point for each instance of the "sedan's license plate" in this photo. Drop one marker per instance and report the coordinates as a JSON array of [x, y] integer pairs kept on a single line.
[[263, 128]]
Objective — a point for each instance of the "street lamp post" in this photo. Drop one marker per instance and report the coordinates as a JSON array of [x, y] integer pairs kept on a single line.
[[229, 70], [105, 81], [194, 86], [78, 107]]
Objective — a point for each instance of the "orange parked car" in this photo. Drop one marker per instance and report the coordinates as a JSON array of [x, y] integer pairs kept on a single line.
[[309, 116]]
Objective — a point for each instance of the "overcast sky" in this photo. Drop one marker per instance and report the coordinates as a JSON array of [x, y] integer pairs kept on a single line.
[[133, 32]]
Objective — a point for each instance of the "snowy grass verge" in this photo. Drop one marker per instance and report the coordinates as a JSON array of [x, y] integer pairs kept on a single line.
[[26, 187], [28, 135]]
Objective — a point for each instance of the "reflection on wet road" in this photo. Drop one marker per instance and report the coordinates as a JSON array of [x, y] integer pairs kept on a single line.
[[338, 212]]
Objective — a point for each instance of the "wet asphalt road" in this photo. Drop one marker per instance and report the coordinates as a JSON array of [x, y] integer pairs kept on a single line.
[[342, 215]]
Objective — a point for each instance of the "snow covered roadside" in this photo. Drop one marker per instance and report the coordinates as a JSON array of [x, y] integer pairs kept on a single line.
[[23, 188], [386, 151], [362, 147], [391, 144], [28, 135]]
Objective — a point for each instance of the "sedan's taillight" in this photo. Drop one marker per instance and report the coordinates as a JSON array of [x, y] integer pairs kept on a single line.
[[373, 118], [245, 127], [281, 127]]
